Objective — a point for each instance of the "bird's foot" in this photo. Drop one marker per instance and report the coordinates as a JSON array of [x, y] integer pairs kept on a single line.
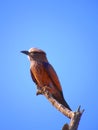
[[39, 92], [46, 89], [42, 90]]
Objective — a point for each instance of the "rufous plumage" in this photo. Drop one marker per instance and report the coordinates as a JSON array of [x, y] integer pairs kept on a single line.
[[43, 74]]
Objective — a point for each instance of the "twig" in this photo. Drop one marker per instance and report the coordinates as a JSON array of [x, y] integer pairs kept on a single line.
[[74, 122]]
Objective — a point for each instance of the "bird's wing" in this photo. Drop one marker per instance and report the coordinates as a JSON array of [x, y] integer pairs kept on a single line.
[[52, 75], [33, 78]]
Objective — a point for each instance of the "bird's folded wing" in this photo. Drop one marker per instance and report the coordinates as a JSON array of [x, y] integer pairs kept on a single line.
[[52, 75], [33, 78]]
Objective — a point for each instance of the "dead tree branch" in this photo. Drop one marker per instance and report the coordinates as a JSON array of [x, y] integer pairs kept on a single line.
[[74, 122], [73, 116]]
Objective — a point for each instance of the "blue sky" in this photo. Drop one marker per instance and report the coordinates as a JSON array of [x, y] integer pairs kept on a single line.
[[67, 31]]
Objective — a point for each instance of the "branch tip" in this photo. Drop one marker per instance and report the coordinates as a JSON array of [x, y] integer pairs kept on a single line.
[[79, 108]]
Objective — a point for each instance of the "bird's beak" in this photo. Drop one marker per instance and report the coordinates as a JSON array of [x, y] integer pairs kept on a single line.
[[25, 52]]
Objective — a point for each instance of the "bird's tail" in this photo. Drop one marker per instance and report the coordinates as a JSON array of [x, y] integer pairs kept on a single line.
[[62, 101]]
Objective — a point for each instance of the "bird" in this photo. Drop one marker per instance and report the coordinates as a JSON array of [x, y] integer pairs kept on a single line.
[[44, 75]]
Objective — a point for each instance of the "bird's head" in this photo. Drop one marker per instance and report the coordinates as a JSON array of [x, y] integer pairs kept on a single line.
[[35, 54]]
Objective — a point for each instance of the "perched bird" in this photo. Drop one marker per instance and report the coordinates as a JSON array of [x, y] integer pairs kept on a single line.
[[43, 74]]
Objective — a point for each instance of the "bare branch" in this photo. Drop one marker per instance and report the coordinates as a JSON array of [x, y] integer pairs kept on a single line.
[[73, 116], [74, 122], [57, 105]]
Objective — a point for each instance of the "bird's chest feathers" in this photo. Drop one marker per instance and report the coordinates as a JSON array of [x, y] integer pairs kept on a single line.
[[40, 73]]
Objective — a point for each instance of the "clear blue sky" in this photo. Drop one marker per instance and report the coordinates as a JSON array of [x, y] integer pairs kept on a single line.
[[67, 30]]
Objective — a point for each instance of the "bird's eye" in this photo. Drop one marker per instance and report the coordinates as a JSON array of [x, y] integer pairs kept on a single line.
[[33, 53]]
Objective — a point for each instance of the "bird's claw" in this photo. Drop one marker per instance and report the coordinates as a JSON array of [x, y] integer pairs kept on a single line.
[[42, 90], [39, 92]]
